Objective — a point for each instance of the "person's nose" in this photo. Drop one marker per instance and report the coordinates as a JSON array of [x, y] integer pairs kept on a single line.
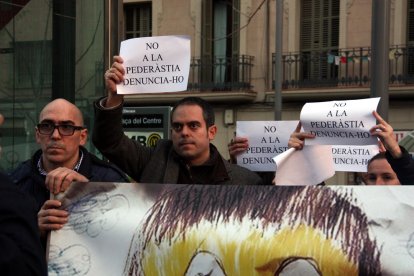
[[379, 181], [55, 134], [185, 131]]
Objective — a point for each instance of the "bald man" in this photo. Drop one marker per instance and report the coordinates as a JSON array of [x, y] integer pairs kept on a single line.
[[61, 160]]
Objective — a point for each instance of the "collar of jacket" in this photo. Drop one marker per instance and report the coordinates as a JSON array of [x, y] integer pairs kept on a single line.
[[84, 168], [220, 170]]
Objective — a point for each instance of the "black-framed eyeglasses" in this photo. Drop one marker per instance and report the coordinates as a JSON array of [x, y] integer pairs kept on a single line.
[[64, 130]]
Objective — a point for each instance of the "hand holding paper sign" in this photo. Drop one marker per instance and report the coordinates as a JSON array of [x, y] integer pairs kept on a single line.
[[346, 158], [237, 146], [303, 165], [385, 133], [310, 166], [297, 138], [265, 140], [395, 164], [113, 77], [50, 217]]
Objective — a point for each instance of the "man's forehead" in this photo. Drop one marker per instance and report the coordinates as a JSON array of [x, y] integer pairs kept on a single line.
[[186, 122], [52, 120], [188, 110], [59, 115]]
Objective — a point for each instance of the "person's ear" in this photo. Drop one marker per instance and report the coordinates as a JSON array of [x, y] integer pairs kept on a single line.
[[37, 135], [83, 137], [212, 130]]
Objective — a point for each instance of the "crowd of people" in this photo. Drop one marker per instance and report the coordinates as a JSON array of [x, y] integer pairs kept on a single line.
[[188, 157]]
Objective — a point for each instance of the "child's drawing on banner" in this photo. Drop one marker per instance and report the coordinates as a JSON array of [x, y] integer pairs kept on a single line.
[[150, 229], [242, 230]]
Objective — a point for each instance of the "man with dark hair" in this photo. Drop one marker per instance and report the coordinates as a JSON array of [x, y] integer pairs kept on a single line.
[[188, 158], [208, 111]]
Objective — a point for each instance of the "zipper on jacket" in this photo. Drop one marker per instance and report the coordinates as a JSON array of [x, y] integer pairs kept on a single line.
[[189, 173]]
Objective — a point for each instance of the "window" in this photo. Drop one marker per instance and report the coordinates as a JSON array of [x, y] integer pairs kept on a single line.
[[220, 42], [410, 40], [33, 59], [319, 37], [33, 64], [8, 10], [138, 20]]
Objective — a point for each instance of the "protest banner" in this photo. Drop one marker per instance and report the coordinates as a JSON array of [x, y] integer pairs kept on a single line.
[[155, 64], [156, 229]]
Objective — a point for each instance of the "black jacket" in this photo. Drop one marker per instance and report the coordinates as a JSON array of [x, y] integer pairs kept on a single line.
[[21, 251], [27, 177], [403, 167]]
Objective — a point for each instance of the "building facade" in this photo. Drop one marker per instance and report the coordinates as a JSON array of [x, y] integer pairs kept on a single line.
[[326, 56]]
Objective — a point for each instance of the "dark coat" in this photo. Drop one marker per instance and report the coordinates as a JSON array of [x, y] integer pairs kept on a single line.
[[403, 167], [153, 164], [27, 177], [21, 251]]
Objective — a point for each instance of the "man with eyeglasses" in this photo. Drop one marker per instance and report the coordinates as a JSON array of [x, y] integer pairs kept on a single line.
[[61, 160], [188, 158]]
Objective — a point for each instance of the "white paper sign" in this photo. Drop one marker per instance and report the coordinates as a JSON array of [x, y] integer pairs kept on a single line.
[[309, 166], [353, 158], [340, 122], [267, 139], [155, 64]]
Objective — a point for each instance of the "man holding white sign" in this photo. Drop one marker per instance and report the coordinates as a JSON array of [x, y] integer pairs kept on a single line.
[[188, 158]]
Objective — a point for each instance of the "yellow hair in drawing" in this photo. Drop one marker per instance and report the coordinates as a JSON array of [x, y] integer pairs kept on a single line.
[[253, 230]]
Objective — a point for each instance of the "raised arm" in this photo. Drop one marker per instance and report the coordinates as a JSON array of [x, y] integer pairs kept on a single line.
[[114, 76], [385, 133], [399, 159]]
